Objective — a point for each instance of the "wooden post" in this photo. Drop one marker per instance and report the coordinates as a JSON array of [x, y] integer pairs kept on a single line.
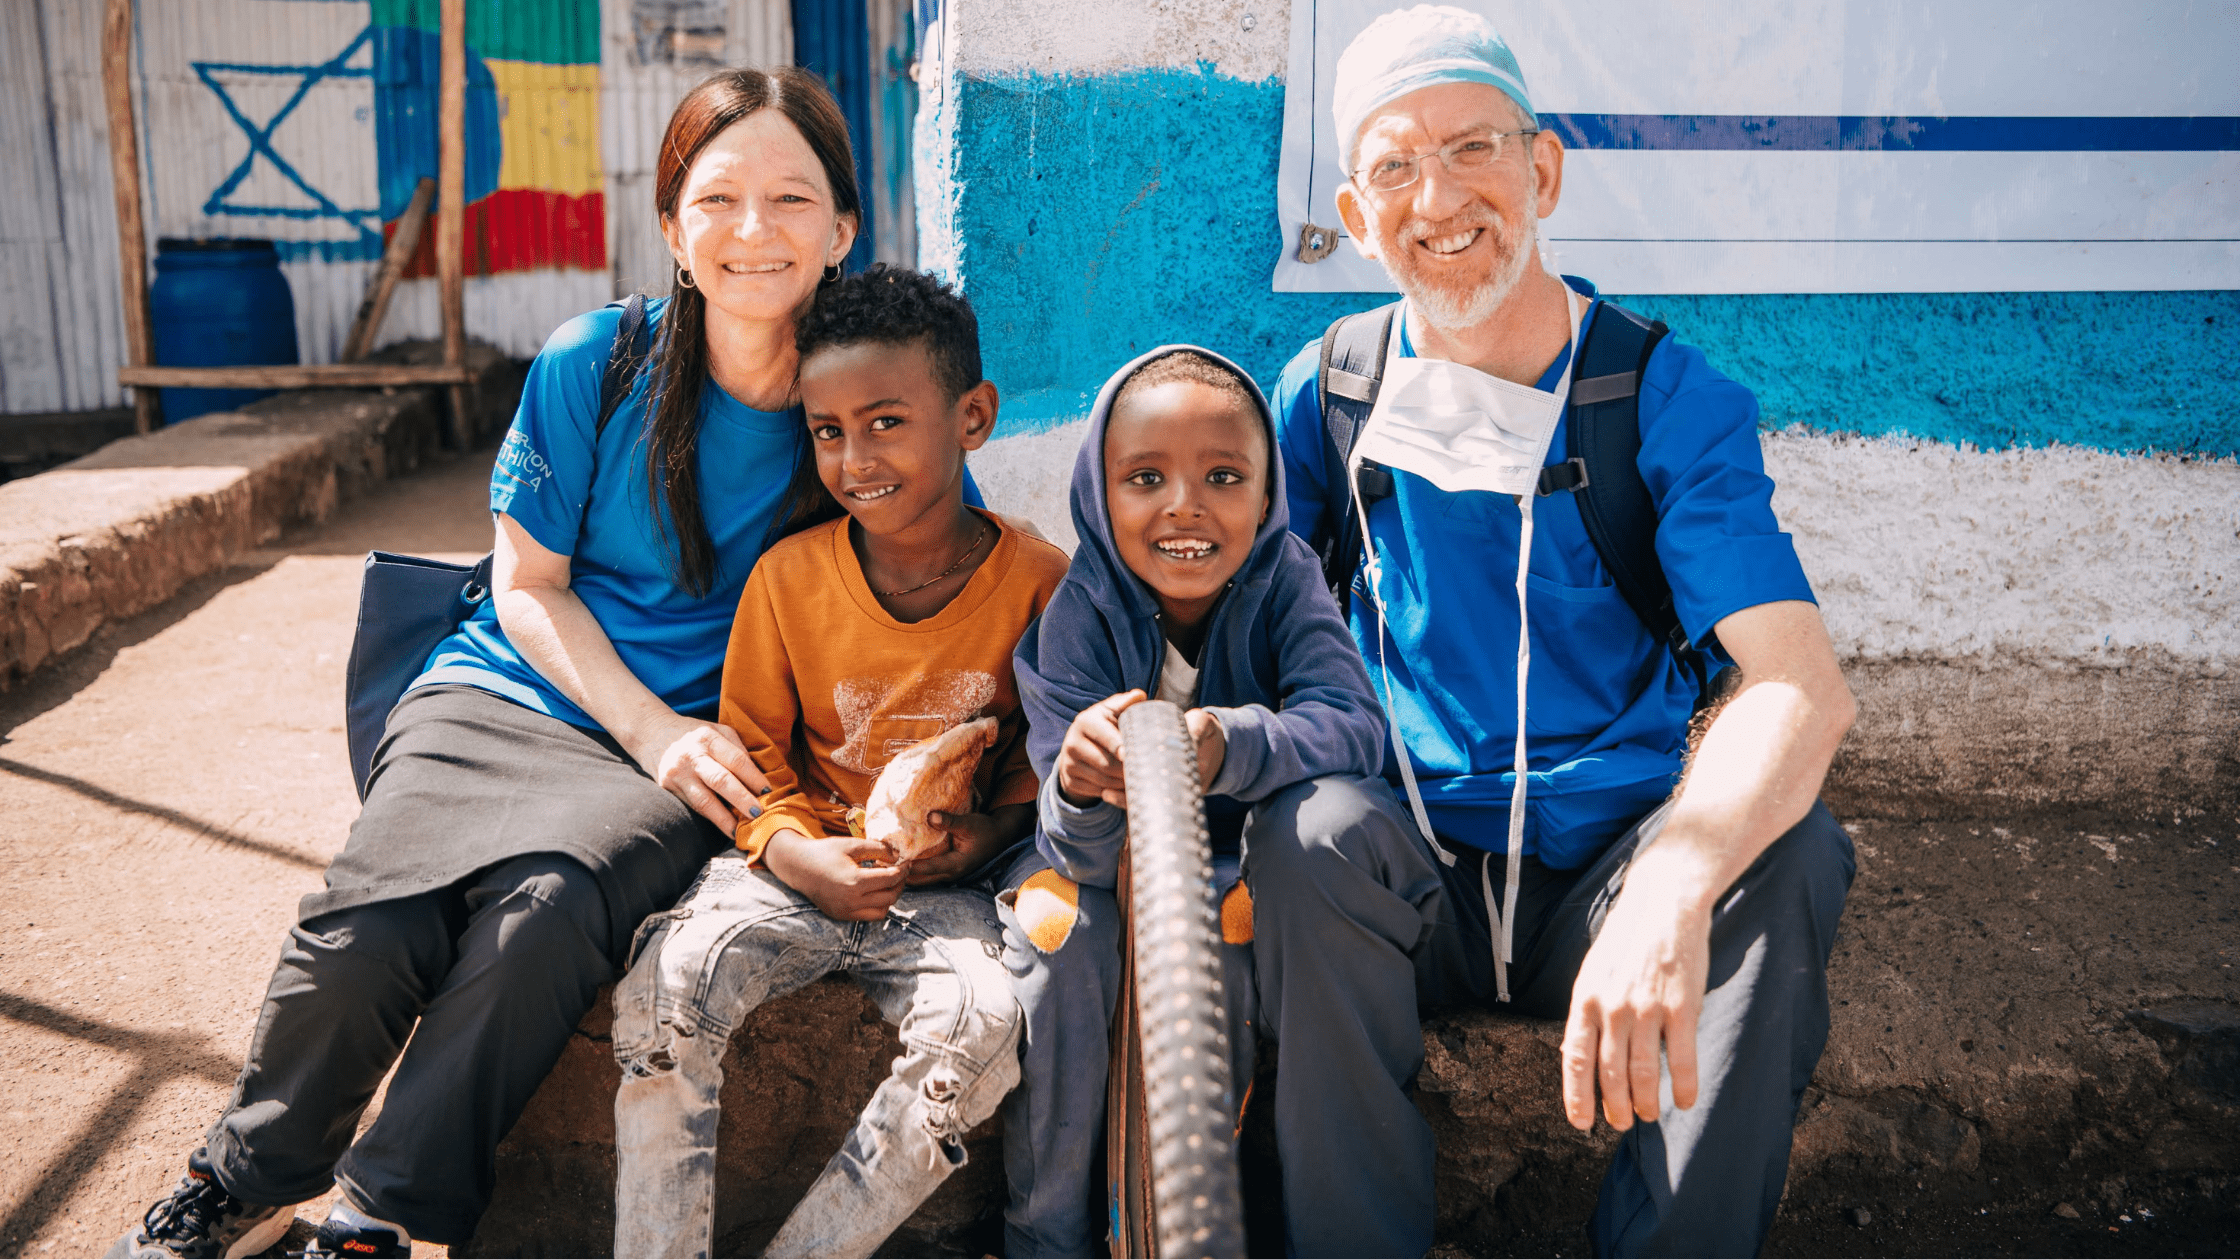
[[393, 261], [124, 177], [451, 206]]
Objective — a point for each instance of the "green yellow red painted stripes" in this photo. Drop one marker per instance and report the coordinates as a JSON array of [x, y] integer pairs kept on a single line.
[[536, 65]]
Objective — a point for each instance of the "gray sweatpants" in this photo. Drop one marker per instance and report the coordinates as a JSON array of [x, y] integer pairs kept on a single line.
[[1358, 923]]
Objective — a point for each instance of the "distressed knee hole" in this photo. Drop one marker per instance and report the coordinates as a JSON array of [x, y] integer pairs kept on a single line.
[[651, 1064], [942, 1093]]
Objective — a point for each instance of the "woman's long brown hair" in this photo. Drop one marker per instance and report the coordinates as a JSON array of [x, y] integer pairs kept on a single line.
[[680, 358]]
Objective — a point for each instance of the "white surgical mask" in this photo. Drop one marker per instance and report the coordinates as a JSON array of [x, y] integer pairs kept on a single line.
[[1462, 429]]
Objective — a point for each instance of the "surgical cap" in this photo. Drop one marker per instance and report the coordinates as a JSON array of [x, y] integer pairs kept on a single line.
[[1411, 49]]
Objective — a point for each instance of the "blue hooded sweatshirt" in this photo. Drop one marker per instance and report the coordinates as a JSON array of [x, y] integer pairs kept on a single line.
[[1278, 668]]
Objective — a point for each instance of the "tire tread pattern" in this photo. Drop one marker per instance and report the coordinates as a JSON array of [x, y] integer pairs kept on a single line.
[[1176, 954]]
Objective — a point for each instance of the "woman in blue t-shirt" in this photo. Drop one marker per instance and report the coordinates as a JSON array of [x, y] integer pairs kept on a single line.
[[554, 776]]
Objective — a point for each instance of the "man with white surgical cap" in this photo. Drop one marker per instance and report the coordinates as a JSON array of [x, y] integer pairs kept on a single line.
[[1556, 532]]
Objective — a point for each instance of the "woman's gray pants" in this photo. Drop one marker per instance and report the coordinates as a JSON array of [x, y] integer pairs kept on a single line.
[[1358, 923], [487, 978]]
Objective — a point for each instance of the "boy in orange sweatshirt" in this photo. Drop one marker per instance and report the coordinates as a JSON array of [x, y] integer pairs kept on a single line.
[[855, 640]]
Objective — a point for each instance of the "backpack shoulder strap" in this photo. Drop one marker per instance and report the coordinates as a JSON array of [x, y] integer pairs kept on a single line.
[[1604, 446], [1353, 350], [624, 361]]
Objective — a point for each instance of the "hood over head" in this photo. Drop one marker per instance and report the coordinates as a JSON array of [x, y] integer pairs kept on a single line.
[[1097, 562], [1278, 662], [1100, 634]]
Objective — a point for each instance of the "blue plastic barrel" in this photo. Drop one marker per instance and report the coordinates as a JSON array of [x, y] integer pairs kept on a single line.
[[219, 303]]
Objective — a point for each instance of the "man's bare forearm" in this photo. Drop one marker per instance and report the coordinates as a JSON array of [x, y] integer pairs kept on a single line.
[[1762, 761]]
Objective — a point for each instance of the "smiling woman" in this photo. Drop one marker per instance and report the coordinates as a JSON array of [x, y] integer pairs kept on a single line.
[[757, 196], [554, 775]]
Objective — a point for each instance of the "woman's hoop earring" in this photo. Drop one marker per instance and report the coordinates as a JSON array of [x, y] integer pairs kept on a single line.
[[832, 274], [684, 279]]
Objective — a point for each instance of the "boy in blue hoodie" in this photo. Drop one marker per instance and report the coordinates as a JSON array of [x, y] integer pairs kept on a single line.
[[1187, 586]]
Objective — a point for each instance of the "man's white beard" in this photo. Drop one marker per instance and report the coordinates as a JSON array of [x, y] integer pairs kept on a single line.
[[1446, 308]]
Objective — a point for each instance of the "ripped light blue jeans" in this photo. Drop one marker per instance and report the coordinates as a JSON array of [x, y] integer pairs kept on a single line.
[[740, 937]]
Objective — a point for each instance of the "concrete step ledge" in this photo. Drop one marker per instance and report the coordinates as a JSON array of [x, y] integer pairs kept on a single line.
[[2028, 1011], [119, 531], [1959, 739]]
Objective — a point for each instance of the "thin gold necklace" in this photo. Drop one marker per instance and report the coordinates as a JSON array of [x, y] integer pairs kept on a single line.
[[976, 540]]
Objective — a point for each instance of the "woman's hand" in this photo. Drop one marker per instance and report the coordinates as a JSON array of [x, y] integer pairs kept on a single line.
[[1088, 766], [1212, 744], [703, 764], [973, 839], [849, 878]]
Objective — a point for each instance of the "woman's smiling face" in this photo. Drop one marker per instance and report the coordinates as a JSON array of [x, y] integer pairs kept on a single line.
[[756, 224]]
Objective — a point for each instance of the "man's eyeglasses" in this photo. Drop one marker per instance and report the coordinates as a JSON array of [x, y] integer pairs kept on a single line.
[[1476, 151]]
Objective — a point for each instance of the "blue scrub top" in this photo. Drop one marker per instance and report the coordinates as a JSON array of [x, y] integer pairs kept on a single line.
[[1608, 707], [591, 506]]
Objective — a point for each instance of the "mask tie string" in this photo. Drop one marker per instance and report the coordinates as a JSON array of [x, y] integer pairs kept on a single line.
[[1504, 914], [1384, 667], [1501, 912], [1504, 944]]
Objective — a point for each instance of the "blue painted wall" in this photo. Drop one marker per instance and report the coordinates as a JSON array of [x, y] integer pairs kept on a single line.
[[1098, 216]]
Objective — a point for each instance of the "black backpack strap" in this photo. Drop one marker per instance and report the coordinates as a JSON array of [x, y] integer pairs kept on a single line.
[[1604, 471], [623, 361], [1353, 350]]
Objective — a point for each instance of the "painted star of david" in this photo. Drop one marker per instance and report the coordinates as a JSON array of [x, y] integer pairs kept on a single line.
[[367, 221]]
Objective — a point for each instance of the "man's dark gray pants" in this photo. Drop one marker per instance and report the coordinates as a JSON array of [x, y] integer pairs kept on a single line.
[[1358, 923], [497, 970]]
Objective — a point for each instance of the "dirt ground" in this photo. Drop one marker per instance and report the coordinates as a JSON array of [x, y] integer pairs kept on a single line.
[[169, 791], [166, 795]]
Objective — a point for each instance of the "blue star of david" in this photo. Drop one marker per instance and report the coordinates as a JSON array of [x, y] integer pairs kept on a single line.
[[367, 221]]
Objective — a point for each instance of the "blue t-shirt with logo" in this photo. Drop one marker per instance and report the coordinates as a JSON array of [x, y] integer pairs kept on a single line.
[[1608, 706], [591, 505]]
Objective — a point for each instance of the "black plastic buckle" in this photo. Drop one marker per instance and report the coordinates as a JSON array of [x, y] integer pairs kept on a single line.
[[1571, 474], [1373, 481]]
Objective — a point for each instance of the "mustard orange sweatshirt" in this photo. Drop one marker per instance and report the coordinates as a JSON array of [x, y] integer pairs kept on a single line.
[[825, 687]]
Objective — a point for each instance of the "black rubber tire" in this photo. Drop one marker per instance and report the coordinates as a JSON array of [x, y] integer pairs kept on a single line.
[[1176, 943]]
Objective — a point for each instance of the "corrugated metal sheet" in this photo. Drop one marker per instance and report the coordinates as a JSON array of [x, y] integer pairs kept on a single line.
[[259, 118], [30, 220], [62, 341], [640, 85]]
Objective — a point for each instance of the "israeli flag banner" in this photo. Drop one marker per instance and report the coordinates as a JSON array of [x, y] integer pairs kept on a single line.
[[1845, 146]]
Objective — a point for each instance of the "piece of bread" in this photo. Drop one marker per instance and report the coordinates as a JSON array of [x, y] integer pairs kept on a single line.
[[930, 775]]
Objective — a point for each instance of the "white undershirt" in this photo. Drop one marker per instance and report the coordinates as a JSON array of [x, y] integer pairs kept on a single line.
[[1178, 680]]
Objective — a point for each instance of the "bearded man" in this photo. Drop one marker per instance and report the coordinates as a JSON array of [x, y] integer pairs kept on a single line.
[[1680, 923]]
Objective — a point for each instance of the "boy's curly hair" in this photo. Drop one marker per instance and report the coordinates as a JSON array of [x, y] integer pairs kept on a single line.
[[897, 306]]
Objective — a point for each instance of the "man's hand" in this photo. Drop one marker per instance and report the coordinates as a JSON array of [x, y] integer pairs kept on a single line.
[[1088, 766], [851, 879], [973, 839], [1639, 991], [1211, 742], [1757, 772], [706, 766]]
